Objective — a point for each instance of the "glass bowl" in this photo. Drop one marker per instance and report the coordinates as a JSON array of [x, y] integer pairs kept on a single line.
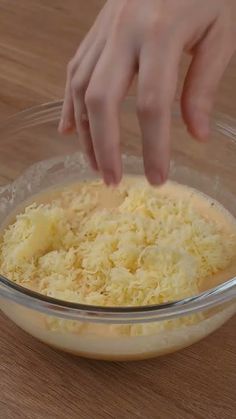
[[33, 157]]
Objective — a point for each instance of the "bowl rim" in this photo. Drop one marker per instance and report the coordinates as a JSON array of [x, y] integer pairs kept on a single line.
[[220, 294], [50, 111]]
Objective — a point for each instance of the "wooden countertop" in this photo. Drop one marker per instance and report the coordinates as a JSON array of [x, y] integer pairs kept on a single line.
[[37, 37]]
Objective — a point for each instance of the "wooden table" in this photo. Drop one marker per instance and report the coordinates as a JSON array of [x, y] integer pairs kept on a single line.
[[37, 37]]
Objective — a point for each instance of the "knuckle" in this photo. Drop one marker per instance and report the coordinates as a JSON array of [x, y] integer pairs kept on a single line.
[[95, 99], [122, 15], [160, 25], [77, 86], [155, 26], [150, 105]]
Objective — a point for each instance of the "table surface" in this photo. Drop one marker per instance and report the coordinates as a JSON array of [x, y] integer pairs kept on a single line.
[[37, 38]]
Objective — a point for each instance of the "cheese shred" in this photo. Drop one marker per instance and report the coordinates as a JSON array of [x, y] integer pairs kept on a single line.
[[150, 247]]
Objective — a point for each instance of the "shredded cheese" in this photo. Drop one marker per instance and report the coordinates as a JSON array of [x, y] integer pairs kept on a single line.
[[149, 248]]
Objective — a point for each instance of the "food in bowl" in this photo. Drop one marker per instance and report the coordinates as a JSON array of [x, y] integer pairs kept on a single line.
[[47, 164], [131, 246]]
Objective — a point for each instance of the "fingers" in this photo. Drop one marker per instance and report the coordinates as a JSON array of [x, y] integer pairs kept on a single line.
[[206, 70], [108, 85], [67, 121], [74, 111], [83, 129], [101, 71], [158, 71], [90, 44], [79, 85]]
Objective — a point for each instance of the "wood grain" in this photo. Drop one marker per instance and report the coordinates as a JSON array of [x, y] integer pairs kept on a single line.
[[37, 37]]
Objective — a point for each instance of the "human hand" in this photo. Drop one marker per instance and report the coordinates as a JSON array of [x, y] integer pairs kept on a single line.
[[146, 37]]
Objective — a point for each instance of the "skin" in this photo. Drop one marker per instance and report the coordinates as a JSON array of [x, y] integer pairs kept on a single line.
[[146, 38]]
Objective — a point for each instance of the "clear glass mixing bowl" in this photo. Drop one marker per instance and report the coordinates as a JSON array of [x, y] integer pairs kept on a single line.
[[33, 157]]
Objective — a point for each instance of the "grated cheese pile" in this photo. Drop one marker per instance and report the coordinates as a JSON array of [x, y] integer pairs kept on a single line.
[[149, 247]]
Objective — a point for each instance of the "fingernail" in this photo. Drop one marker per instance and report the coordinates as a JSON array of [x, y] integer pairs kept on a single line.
[[64, 126], [155, 178], [110, 178]]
